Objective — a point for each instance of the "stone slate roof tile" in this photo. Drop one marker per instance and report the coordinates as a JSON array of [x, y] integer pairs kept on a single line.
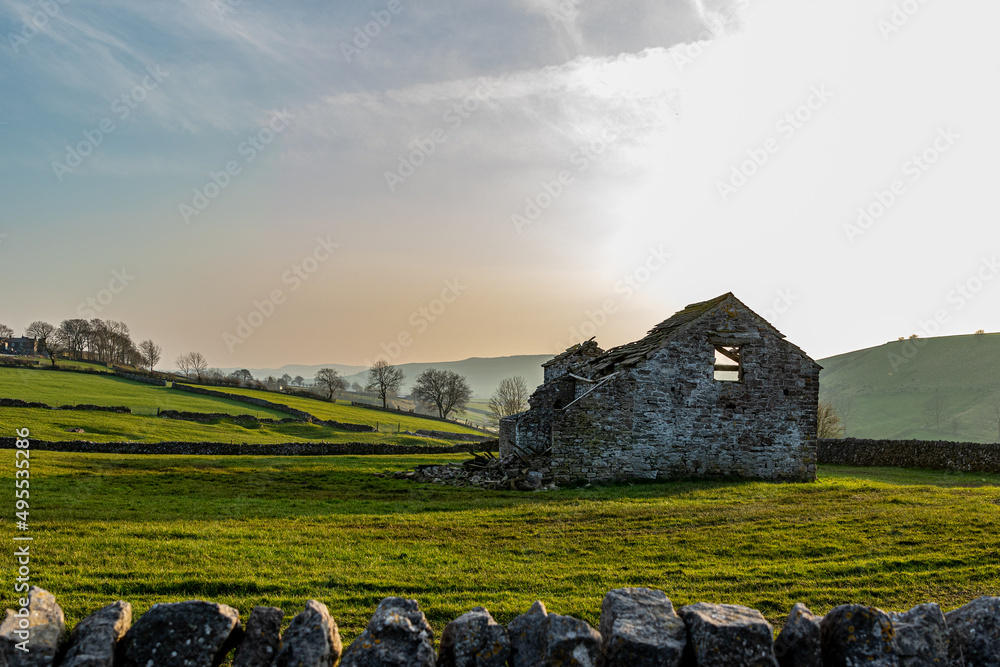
[[633, 353]]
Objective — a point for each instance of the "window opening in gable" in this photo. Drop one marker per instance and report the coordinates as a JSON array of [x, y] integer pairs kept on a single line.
[[728, 367]]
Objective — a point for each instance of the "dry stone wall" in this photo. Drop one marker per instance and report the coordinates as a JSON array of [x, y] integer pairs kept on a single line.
[[639, 627], [932, 454], [234, 449], [121, 372], [17, 403]]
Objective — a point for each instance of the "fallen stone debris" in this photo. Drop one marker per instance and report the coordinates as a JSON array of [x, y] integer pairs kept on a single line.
[[638, 627], [486, 471]]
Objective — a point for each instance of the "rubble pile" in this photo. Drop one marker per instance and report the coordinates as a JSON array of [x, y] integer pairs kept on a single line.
[[487, 471]]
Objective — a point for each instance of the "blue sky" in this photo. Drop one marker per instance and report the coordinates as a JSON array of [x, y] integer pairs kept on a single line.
[[314, 182]]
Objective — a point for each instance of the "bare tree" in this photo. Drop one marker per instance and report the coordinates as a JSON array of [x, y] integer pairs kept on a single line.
[[510, 398], [184, 364], [299, 381], [286, 380], [356, 387], [47, 336], [198, 363], [844, 407], [150, 353], [385, 380], [446, 390], [992, 420], [935, 406], [330, 380], [109, 341], [74, 335], [828, 423]]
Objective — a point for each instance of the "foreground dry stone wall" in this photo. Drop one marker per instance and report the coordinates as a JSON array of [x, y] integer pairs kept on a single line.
[[638, 628]]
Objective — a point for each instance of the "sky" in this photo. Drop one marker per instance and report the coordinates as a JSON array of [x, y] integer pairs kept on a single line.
[[312, 182]]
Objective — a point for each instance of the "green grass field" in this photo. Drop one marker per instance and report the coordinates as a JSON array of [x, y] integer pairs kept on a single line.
[[55, 425], [69, 363], [280, 530], [351, 414], [60, 388]]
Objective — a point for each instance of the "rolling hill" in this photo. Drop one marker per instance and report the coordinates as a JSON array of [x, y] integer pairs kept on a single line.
[[483, 374], [67, 388], [945, 388]]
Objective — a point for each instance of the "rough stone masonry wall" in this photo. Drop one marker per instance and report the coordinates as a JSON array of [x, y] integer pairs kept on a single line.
[[696, 426], [531, 431], [669, 418], [592, 439], [638, 627], [933, 454]]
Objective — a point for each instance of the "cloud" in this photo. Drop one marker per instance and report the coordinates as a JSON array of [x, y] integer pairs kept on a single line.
[[533, 116]]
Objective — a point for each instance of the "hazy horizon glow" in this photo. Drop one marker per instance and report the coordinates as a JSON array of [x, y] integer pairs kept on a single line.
[[436, 181]]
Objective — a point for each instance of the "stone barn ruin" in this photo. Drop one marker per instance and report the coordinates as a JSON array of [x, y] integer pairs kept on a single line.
[[713, 391]]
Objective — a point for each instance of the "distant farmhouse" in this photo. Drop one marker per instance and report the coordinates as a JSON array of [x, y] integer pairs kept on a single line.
[[714, 391], [19, 346]]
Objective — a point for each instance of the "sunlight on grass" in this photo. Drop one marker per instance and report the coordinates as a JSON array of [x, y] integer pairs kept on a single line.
[[280, 530]]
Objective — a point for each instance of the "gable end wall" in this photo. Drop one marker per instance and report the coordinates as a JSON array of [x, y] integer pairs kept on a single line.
[[669, 418]]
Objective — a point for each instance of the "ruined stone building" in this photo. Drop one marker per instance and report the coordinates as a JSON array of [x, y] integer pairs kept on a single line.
[[713, 391]]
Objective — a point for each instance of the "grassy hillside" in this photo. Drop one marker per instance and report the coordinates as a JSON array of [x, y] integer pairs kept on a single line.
[[945, 388], [60, 425], [63, 388], [278, 531], [351, 414]]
